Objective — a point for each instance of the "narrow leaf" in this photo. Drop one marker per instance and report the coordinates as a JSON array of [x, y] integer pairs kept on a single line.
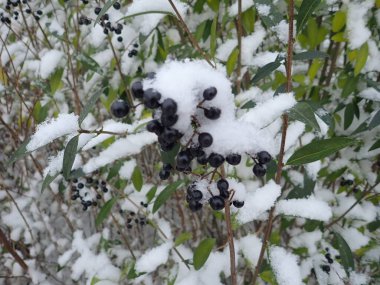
[[265, 71], [137, 179], [47, 180], [213, 36], [105, 211], [375, 121], [202, 252], [19, 153], [183, 237], [345, 253], [348, 115], [304, 113], [361, 58], [165, 195], [90, 104], [150, 195], [308, 55], [375, 145], [231, 61], [305, 11], [169, 156], [69, 156], [318, 149]]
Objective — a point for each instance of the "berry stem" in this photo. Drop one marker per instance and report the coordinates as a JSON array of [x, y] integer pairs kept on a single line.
[[231, 245], [280, 164]]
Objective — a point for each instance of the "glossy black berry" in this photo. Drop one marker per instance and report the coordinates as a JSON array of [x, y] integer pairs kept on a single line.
[[196, 195], [225, 194], [169, 106], [80, 185], [120, 108], [216, 203], [164, 174], [238, 204], [202, 159], [137, 89], [116, 5], [167, 166], [264, 157], [325, 268], [222, 184], [209, 93], [119, 39], [195, 150], [215, 160], [155, 126], [169, 120], [183, 159], [212, 113], [97, 10], [259, 170], [151, 98], [169, 135], [205, 139], [195, 206], [233, 158]]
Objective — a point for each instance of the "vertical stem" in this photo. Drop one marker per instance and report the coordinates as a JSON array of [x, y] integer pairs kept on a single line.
[[231, 246], [289, 60], [9, 248], [239, 35]]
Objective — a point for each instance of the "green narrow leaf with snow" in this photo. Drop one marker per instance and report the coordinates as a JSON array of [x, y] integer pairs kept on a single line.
[[47, 180], [304, 113], [361, 58], [69, 156], [319, 149], [20, 152], [345, 253], [375, 145], [202, 252], [55, 80], [105, 211], [89, 105], [213, 36], [308, 55], [150, 195], [183, 237], [137, 178], [305, 11], [165, 195], [348, 115], [266, 70], [89, 63], [375, 121], [231, 61]]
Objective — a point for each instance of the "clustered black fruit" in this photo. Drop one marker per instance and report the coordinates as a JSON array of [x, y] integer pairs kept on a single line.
[[133, 52], [11, 12], [106, 24], [120, 108], [88, 190], [326, 267], [261, 161], [346, 182]]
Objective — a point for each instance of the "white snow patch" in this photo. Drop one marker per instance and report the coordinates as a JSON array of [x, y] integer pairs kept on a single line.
[[354, 238], [49, 62], [153, 258], [285, 266]]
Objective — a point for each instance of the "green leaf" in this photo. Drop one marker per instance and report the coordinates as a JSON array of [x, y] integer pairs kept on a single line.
[[338, 21], [373, 226], [183, 237], [165, 195], [248, 105], [89, 105], [349, 86], [231, 61], [69, 156], [361, 58], [47, 180], [89, 63], [375, 121], [104, 10], [55, 80], [95, 280], [266, 70], [202, 252], [213, 36], [150, 195], [137, 178], [20, 152], [345, 253], [319, 149], [145, 13], [169, 156], [305, 11], [375, 145], [348, 115], [105, 211], [307, 190], [308, 55], [304, 113], [213, 4]]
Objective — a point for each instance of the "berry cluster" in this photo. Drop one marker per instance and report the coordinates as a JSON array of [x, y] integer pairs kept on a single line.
[[133, 52], [88, 191], [133, 219], [346, 182], [120, 108], [326, 267], [10, 5]]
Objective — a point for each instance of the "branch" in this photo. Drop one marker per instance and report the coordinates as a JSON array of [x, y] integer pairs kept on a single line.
[[280, 163], [231, 246], [9, 248]]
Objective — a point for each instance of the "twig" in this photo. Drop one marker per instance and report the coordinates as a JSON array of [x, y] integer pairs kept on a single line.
[[231, 246], [280, 165], [239, 35], [191, 38], [9, 248]]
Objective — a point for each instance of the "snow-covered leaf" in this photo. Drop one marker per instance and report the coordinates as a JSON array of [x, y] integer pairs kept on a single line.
[[305, 11], [345, 253], [105, 211], [165, 194], [69, 156]]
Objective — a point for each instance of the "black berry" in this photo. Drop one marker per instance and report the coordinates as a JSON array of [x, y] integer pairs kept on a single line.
[[164, 174], [216, 203], [233, 158], [168, 120], [155, 126], [116, 5], [202, 159], [215, 160], [196, 195], [238, 204], [259, 170], [195, 206], [212, 113], [209, 93], [264, 157], [205, 139], [120, 108], [137, 89], [222, 184], [151, 98], [169, 106]]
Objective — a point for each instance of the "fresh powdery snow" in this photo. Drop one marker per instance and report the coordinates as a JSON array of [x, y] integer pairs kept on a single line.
[[49, 62], [285, 266], [310, 208], [52, 129], [153, 258]]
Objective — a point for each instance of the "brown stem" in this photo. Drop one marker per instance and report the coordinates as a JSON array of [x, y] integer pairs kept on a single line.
[[231, 246], [239, 35], [280, 164], [191, 38], [9, 248]]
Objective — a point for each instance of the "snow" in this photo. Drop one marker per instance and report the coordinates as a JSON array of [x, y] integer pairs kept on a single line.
[[250, 247], [245, 5], [120, 148], [258, 202], [285, 266], [52, 129], [354, 238], [310, 240], [263, 9], [153, 258], [370, 94], [49, 62], [357, 31], [310, 208], [126, 170]]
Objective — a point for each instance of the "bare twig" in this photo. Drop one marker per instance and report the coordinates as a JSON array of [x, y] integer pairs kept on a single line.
[[239, 35], [9, 248], [230, 237], [289, 60]]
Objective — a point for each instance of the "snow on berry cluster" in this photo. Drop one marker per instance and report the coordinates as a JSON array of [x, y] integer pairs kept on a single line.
[[193, 108]]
